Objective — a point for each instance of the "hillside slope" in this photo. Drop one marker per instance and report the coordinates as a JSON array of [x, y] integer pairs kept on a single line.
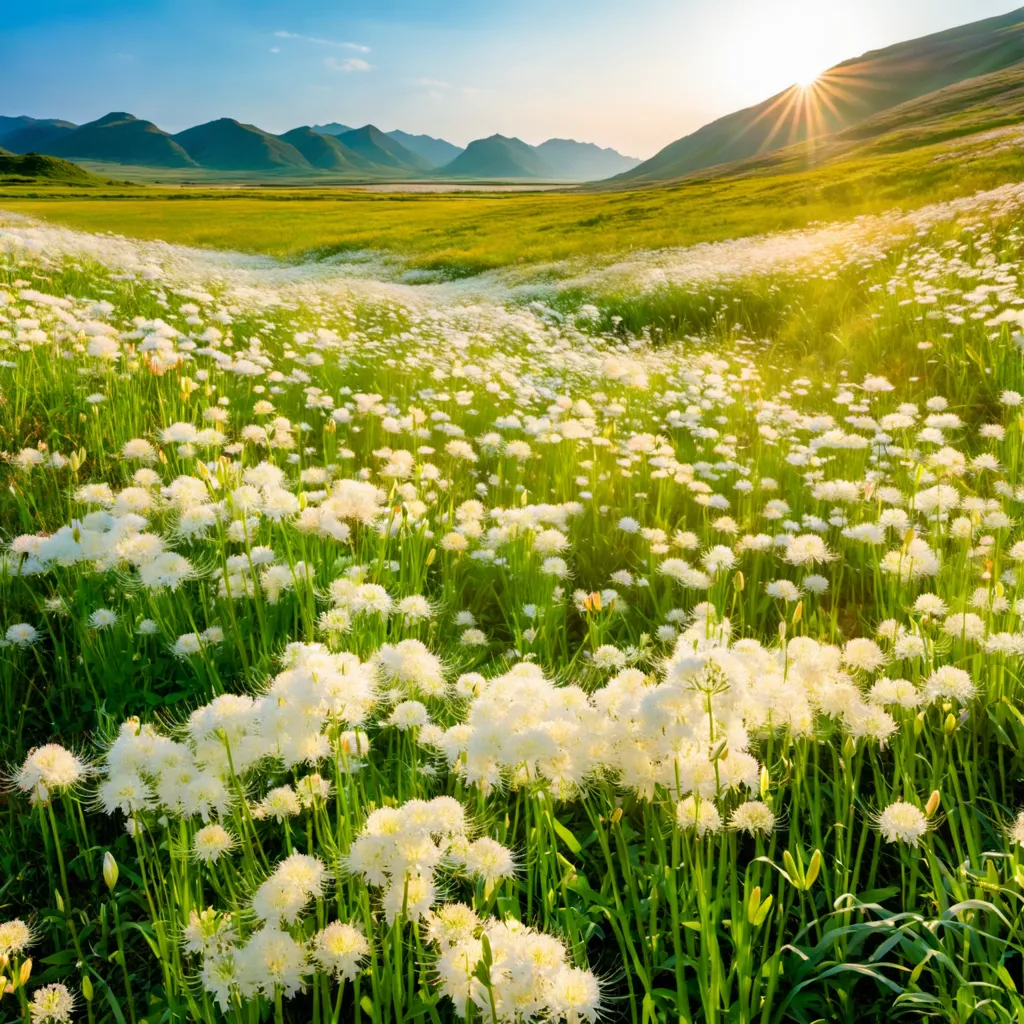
[[228, 145], [37, 167], [382, 151], [437, 152], [333, 128], [326, 152], [120, 138], [846, 94], [583, 161], [497, 157], [36, 138], [14, 124]]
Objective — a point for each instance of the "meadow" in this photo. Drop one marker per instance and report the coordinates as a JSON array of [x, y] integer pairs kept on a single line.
[[536, 629], [454, 236]]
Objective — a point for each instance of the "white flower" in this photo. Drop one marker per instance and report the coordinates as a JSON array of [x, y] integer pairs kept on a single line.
[[753, 817], [22, 634], [51, 1004], [807, 549], [102, 618], [901, 822], [340, 950], [211, 842]]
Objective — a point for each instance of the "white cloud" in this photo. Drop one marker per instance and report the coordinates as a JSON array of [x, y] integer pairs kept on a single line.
[[356, 47], [347, 65], [431, 83], [275, 49]]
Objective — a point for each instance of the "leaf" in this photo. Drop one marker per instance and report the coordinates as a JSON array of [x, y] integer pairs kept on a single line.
[[565, 835], [68, 956], [1004, 976], [109, 996]]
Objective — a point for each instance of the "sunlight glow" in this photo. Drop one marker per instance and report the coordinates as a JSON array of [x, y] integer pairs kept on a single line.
[[805, 79]]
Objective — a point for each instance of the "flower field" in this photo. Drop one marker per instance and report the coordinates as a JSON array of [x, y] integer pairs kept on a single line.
[[636, 640]]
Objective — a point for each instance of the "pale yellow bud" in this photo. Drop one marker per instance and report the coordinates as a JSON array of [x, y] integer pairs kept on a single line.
[[110, 870]]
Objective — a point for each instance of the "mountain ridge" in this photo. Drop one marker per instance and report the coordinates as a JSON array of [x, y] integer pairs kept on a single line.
[[847, 93], [497, 156], [227, 144], [112, 137]]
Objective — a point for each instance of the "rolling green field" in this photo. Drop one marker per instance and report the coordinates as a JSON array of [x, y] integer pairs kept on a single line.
[[465, 234]]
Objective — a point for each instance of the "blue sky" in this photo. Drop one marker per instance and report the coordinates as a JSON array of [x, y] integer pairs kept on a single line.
[[633, 74]]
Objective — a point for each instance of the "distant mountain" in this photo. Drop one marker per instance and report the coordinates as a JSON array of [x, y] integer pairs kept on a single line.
[[228, 145], [497, 157], [36, 137], [376, 147], [437, 152], [332, 129], [434, 152], [121, 138], [843, 95], [583, 161], [327, 152], [13, 124]]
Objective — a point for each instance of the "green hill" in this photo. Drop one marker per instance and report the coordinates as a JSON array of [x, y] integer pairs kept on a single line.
[[14, 124], [582, 161], [497, 157], [332, 128], [844, 95], [437, 152], [37, 137], [987, 101], [120, 138], [227, 145], [35, 166], [979, 110], [326, 151], [377, 148]]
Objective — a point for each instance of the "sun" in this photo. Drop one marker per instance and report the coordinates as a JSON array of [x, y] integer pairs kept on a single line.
[[806, 79]]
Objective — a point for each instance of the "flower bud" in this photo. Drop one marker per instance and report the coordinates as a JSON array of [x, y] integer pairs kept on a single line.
[[110, 871], [794, 872], [933, 803], [738, 582], [25, 973], [798, 614], [812, 870], [87, 992], [762, 911], [949, 726], [754, 904]]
